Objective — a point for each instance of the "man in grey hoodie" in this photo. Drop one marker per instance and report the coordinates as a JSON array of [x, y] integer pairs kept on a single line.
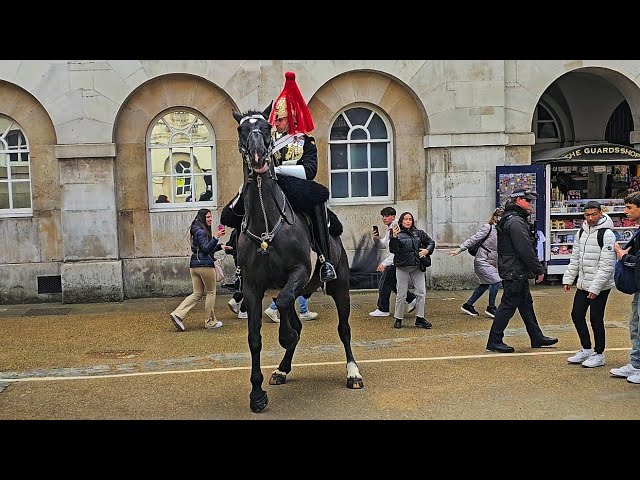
[[593, 261]]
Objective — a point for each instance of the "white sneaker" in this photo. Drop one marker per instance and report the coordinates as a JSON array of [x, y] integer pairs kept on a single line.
[[581, 356], [177, 321], [212, 324], [595, 360], [412, 306], [635, 378], [308, 315], [624, 372], [234, 306], [272, 313], [242, 315], [378, 313]]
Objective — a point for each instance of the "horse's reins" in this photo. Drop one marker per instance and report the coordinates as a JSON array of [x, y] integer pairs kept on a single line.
[[265, 238]]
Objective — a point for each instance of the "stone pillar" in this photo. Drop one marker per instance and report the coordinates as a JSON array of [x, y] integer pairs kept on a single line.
[[92, 270]]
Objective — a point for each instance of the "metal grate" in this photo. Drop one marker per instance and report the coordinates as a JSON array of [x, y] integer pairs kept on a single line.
[[36, 312], [50, 284]]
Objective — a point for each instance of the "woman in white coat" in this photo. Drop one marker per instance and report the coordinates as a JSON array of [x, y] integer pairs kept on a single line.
[[485, 264]]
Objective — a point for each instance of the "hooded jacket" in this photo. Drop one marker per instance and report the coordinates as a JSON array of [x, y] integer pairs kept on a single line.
[[517, 255], [592, 265], [485, 263]]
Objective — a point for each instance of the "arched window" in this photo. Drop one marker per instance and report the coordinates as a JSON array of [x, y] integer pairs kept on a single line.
[[181, 159], [547, 130], [620, 125], [360, 157], [15, 170]]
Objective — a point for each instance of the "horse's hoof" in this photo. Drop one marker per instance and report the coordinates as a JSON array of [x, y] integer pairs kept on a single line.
[[355, 383], [277, 379], [259, 405]]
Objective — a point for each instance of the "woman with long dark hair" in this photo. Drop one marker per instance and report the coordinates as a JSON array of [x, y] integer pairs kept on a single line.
[[485, 264], [412, 249], [203, 275]]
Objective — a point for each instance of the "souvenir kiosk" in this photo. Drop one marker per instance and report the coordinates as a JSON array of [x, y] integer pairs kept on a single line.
[[565, 179]]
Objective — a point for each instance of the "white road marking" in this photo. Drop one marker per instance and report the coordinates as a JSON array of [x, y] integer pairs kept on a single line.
[[296, 365]]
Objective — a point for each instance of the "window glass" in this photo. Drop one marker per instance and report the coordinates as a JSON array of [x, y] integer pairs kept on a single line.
[[360, 184], [15, 170], [181, 157], [339, 185], [360, 166], [359, 157], [338, 157]]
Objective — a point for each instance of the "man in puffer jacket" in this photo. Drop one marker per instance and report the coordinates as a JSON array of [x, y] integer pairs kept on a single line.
[[594, 267]]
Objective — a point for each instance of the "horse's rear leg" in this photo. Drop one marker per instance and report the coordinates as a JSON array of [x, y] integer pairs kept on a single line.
[[258, 399], [340, 294]]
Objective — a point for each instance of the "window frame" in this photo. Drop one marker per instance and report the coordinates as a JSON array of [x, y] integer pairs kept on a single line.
[[20, 150], [554, 121], [390, 169], [192, 160]]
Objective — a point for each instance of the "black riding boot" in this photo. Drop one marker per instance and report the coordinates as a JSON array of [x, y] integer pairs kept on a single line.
[[236, 283], [327, 272]]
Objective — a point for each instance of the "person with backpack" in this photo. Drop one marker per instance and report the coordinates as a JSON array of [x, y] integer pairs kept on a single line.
[[483, 245], [629, 256], [517, 263], [592, 262]]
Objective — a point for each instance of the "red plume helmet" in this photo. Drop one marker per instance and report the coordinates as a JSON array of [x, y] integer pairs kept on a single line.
[[291, 104]]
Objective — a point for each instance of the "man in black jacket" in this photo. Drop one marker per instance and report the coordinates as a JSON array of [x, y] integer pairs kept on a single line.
[[517, 263]]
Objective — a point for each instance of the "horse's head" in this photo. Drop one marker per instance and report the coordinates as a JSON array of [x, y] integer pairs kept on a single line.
[[254, 139]]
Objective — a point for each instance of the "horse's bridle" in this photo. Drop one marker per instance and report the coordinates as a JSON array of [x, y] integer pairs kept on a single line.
[[265, 239], [242, 148]]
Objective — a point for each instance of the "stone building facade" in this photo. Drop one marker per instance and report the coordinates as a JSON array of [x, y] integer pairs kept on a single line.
[[80, 138]]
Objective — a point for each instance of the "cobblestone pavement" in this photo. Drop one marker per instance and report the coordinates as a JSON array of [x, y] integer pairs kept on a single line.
[[126, 361]]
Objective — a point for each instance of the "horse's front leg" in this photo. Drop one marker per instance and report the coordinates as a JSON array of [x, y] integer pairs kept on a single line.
[[290, 326], [258, 399]]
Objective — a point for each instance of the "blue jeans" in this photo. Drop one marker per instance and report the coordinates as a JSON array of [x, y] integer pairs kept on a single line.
[[303, 302], [634, 333], [479, 291]]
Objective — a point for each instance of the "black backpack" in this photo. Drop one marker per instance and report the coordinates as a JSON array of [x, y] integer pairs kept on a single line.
[[474, 250], [600, 235]]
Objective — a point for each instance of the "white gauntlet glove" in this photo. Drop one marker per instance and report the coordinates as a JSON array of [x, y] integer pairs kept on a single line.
[[291, 171]]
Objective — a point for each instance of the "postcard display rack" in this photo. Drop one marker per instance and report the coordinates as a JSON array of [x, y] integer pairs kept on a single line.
[[558, 212]]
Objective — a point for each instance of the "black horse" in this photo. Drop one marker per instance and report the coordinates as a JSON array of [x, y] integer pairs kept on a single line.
[[274, 254]]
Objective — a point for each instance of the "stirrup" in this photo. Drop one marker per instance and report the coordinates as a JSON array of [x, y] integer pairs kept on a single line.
[[327, 272]]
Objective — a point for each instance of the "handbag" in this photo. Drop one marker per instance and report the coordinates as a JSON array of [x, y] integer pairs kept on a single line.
[[624, 275], [219, 271], [474, 250]]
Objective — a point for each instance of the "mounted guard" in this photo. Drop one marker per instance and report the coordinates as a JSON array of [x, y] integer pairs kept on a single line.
[[295, 156]]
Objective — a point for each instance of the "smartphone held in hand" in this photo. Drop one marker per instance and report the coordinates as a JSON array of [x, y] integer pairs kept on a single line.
[[375, 231]]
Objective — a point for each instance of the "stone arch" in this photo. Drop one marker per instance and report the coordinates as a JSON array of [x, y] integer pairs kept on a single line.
[[398, 102], [533, 81], [25, 109], [136, 234]]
